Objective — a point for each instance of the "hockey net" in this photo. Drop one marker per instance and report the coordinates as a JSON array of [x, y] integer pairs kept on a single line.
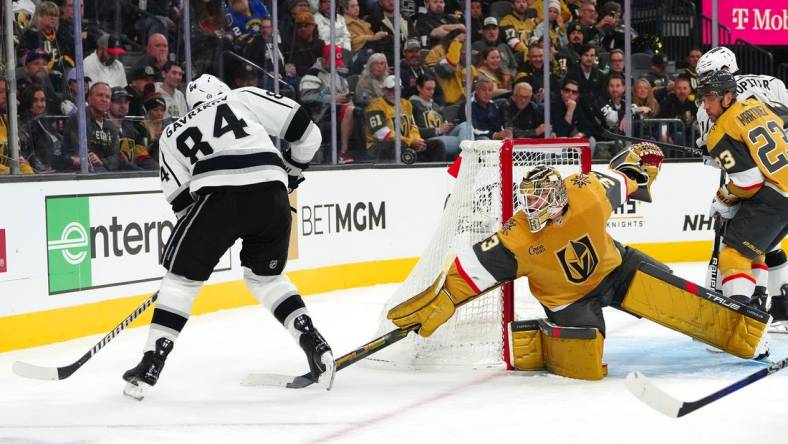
[[483, 197]]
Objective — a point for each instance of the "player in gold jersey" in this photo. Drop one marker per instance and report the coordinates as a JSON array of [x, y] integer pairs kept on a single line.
[[559, 241], [749, 143]]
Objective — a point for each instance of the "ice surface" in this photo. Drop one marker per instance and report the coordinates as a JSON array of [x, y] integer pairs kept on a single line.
[[199, 398]]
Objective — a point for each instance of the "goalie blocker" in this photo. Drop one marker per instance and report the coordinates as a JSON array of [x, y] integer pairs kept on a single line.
[[655, 294]]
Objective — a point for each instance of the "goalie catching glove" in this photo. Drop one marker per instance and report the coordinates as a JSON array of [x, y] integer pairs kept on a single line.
[[430, 308], [641, 163], [295, 171]]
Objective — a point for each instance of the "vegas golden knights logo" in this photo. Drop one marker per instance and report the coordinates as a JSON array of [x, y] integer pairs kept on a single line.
[[578, 259]]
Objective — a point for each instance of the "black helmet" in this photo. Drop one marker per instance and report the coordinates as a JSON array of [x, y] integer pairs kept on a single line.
[[718, 82]]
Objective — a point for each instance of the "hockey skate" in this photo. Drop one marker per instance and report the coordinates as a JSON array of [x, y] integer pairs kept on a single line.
[[144, 376], [779, 311], [318, 353]]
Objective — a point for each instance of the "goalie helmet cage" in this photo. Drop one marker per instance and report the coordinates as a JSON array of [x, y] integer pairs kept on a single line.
[[476, 337]]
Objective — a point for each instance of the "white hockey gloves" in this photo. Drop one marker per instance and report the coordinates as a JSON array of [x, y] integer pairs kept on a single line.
[[295, 171], [725, 205]]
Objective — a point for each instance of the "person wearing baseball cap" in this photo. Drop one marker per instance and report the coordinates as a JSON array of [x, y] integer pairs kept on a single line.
[[490, 38], [139, 79], [380, 117], [411, 67], [305, 47], [103, 64]]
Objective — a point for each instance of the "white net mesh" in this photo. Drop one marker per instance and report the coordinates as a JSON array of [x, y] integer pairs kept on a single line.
[[473, 337]]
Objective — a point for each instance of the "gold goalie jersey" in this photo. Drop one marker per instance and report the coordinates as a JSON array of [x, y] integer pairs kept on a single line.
[[749, 142], [564, 261]]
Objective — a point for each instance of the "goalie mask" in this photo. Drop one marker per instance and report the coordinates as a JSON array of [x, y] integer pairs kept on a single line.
[[204, 89], [543, 195]]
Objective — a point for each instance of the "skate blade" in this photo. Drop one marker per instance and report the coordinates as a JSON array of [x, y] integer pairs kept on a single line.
[[136, 389], [326, 379]]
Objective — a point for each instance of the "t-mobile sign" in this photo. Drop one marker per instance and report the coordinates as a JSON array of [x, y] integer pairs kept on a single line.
[[760, 22], [3, 263]]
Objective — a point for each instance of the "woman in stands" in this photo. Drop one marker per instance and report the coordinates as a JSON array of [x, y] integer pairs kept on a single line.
[[490, 65]]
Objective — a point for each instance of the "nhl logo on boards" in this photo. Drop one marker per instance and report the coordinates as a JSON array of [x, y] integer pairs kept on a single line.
[[578, 259]]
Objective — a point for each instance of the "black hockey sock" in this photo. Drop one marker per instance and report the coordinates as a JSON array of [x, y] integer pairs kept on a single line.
[[165, 324], [288, 310]]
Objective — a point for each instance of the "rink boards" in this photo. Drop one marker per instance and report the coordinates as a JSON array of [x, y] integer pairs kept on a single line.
[[77, 256]]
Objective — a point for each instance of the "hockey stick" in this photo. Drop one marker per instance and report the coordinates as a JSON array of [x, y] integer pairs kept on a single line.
[[343, 361], [32, 371], [645, 390], [671, 146], [712, 275]]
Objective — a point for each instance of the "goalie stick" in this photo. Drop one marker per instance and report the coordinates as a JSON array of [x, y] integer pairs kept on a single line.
[[32, 371], [343, 361], [651, 395]]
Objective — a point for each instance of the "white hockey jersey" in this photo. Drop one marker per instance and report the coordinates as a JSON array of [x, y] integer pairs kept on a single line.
[[767, 89], [226, 143]]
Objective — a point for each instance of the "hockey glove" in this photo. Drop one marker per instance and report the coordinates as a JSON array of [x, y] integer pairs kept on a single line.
[[295, 171], [725, 205], [641, 163], [430, 308]]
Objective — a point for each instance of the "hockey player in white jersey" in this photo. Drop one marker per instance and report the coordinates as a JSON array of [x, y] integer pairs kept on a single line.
[[226, 180], [771, 273]]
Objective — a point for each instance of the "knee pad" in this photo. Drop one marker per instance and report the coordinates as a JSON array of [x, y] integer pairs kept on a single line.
[[177, 294], [271, 291], [572, 352]]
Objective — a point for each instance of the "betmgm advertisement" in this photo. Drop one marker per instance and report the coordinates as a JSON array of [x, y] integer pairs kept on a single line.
[[105, 240]]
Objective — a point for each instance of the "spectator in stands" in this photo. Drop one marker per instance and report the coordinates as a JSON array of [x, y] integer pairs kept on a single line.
[[521, 115], [383, 19], [565, 114], [41, 36], [430, 119], [39, 141], [102, 136], [612, 109], [448, 62], [169, 89], [490, 39], [615, 63], [486, 116], [677, 105], [160, 19], [518, 26], [569, 56], [556, 27], [360, 30], [245, 18], [139, 78], [476, 20], [261, 51], [592, 27], [380, 118], [691, 70], [306, 47], [643, 96], [610, 27], [156, 55], [490, 66], [287, 24], [5, 159], [68, 106], [323, 20], [243, 75], [411, 67], [65, 32], [574, 9], [533, 73], [103, 64], [538, 6], [587, 75], [153, 125], [316, 96], [130, 140], [370, 83], [37, 72], [435, 24], [659, 77]]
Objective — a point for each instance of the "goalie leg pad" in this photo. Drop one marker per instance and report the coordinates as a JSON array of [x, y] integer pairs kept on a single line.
[[695, 311], [572, 352]]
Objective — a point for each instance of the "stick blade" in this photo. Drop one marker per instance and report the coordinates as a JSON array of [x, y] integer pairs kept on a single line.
[[275, 380], [31, 371], [651, 395]]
